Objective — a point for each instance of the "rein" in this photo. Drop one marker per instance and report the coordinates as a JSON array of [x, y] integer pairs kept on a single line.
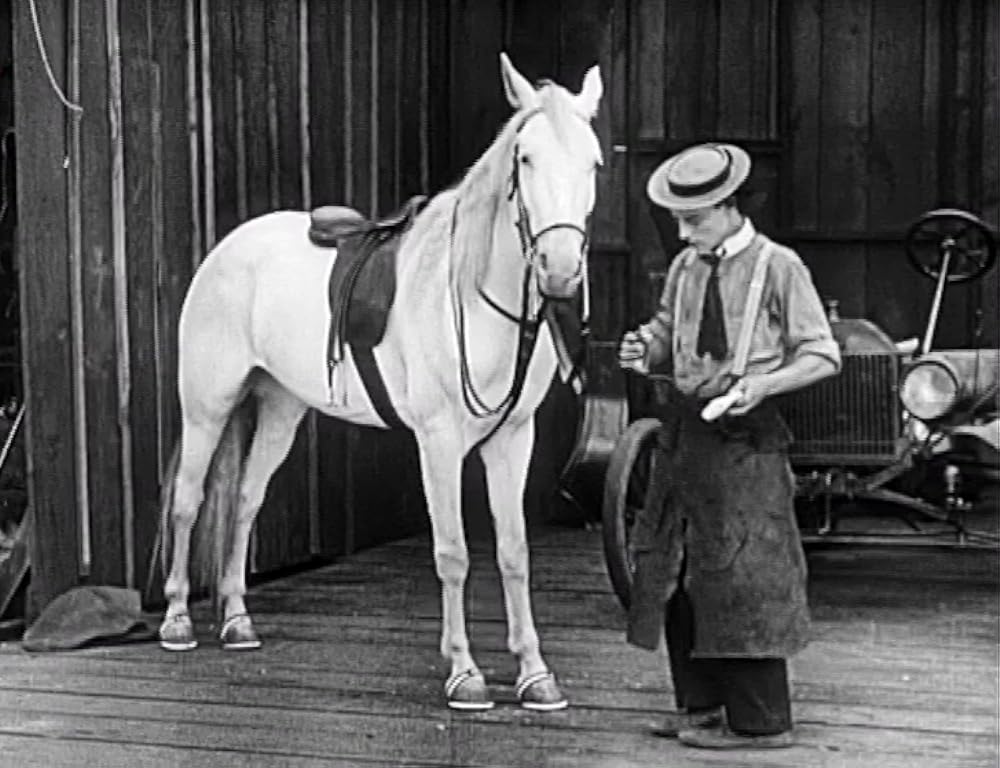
[[528, 325]]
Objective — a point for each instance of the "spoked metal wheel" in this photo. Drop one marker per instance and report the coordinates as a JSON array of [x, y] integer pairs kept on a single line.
[[625, 489], [952, 241]]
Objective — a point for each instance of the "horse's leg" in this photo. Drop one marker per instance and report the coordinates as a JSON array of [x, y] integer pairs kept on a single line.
[[441, 467], [278, 416], [506, 457], [199, 437]]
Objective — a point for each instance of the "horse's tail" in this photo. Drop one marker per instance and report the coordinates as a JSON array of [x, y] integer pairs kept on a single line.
[[213, 530]]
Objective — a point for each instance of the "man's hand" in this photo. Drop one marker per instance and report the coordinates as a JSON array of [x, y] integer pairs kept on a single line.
[[755, 389], [801, 372], [632, 351]]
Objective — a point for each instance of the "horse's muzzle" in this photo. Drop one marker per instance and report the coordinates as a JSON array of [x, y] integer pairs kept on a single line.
[[556, 286]]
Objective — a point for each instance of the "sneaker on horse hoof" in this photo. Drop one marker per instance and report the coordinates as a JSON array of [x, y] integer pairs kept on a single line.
[[238, 634], [540, 693], [686, 720], [177, 633], [466, 691], [720, 737]]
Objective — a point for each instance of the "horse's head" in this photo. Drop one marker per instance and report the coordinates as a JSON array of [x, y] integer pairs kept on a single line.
[[552, 183]]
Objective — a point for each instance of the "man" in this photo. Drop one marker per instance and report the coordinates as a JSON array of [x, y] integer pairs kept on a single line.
[[718, 553]]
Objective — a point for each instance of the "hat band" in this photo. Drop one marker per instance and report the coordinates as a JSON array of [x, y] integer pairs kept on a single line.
[[704, 187]]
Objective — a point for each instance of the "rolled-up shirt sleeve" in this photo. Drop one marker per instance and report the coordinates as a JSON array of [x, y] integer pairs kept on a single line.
[[806, 328], [658, 331]]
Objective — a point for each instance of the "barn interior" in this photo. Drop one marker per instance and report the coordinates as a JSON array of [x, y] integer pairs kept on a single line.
[[860, 117]]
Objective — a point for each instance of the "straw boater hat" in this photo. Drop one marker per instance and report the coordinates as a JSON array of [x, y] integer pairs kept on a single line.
[[699, 177]]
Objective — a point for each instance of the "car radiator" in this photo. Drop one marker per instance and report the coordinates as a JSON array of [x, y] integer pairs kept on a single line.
[[853, 418]]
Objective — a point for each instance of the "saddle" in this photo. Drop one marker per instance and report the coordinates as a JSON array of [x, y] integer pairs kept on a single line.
[[363, 278], [362, 285]]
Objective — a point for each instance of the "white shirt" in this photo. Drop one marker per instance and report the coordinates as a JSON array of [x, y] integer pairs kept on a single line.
[[738, 241]]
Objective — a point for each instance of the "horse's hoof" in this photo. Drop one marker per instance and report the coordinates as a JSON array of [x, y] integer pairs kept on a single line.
[[467, 691], [541, 693], [238, 634], [177, 633]]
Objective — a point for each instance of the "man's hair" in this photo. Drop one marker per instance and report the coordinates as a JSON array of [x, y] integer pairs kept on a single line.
[[742, 199]]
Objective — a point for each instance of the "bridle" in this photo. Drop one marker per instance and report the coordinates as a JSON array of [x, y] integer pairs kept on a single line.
[[529, 239], [528, 321]]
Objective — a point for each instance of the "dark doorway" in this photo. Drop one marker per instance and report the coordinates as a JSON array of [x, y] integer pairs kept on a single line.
[[13, 494], [10, 369]]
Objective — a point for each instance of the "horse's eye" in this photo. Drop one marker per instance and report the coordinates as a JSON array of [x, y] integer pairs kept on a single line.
[[525, 161]]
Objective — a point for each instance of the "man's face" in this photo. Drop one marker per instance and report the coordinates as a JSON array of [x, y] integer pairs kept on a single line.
[[705, 228]]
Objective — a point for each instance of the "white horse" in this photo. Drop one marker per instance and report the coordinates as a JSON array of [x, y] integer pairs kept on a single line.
[[471, 274]]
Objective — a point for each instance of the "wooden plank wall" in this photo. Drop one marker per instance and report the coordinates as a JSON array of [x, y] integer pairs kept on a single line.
[[860, 116], [888, 115], [196, 116], [371, 101]]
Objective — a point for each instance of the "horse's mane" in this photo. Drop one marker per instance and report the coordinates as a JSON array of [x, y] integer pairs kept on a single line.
[[485, 185]]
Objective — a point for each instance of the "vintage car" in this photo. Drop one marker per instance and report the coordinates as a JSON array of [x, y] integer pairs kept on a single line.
[[905, 431]]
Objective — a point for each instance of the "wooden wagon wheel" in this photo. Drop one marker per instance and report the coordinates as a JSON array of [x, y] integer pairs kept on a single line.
[[625, 487]]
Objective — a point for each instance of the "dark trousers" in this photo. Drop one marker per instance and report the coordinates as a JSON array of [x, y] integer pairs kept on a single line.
[[753, 691]]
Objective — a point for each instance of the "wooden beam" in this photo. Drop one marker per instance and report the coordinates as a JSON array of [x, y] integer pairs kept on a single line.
[[438, 87], [116, 116], [75, 252], [250, 56], [40, 121], [375, 97], [329, 124], [193, 45], [207, 129], [424, 112], [288, 122], [326, 60], [238, 58], [105, 530], [359, 111], [305, 177], [348, 101]]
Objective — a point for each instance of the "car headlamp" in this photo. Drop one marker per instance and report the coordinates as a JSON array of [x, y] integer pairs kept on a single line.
[[930, 389]]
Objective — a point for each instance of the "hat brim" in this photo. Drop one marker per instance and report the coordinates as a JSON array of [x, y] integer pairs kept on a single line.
[[658, 189]]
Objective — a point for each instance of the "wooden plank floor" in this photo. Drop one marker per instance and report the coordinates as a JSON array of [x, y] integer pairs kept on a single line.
[[903, 672]]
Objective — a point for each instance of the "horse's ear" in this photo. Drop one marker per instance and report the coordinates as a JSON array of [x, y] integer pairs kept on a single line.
[[589, 97], [519, 92]]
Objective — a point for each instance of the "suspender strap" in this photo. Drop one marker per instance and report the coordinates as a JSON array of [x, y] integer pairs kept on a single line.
[[751, 310], [688, 259]]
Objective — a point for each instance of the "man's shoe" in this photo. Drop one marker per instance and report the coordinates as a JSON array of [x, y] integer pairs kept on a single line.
[[684, 720], [720, 737]]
